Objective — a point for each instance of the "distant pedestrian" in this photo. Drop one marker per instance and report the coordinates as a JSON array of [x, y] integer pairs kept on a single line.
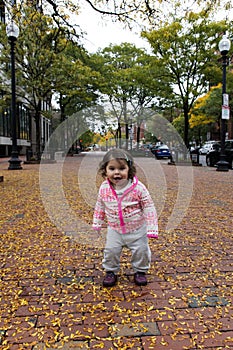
[[130, 213]]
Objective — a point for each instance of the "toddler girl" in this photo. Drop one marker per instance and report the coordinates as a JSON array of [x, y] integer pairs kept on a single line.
[[131, 216]]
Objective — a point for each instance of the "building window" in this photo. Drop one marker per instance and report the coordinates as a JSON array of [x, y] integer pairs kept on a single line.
[[24, 122], [5, 123]]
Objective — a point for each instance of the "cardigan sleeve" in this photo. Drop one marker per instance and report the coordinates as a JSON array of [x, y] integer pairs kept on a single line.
[[150, 213], [99, 213]]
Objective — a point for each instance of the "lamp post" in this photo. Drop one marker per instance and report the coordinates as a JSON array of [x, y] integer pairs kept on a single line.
[[224, 47], [12, 32]]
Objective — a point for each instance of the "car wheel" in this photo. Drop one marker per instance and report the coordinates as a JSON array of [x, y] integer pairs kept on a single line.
[[231, 164], [208, 162]]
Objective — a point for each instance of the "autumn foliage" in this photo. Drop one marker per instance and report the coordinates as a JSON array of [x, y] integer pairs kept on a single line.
[[51, 283]]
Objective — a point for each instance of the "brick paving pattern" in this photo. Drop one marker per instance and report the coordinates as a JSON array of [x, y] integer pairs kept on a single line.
[[51, 285]]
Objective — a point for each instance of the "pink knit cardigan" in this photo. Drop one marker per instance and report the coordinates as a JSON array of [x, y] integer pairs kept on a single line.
[[128, 212]]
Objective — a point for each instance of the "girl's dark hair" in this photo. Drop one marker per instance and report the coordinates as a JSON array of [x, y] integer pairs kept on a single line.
[[118, 154]]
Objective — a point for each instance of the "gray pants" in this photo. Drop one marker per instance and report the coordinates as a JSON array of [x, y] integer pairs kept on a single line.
[[136, 242]]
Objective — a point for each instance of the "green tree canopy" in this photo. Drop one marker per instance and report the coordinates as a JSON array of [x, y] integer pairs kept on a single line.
[[186, 50], [142, 12], [49, 61], [207, 108], [128, 84]]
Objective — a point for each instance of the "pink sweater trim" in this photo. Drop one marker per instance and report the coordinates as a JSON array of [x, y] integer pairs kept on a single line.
[[119, 202]]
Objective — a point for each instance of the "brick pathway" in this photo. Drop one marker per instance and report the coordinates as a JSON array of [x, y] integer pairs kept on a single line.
[[51, 291]]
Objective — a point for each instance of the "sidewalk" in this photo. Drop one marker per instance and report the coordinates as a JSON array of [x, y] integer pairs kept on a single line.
[[51, 293]]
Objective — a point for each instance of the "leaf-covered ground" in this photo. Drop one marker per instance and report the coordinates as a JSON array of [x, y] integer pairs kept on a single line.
[[51, 279]]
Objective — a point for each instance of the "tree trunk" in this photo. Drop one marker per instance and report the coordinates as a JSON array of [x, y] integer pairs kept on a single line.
[[38, 134], [138, 135], [126, 122], [186, 127], [119, 135], [127, 135]]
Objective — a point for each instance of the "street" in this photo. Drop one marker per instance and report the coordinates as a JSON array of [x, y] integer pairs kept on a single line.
[[51, 273]]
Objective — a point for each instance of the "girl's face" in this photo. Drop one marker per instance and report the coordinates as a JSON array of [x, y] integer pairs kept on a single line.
[[117, 171]]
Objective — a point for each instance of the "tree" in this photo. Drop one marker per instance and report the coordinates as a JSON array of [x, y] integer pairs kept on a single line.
[[186, 50], [149, 80], [207, 108], [87, 138], [152, 12], [38, 47], [50, 61], [61, 29], [127, 85], [76, 82]]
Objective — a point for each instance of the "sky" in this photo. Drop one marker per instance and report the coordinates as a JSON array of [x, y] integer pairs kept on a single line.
[[102, 33]]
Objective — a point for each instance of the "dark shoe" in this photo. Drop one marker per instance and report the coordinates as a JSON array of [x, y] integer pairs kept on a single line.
[[140, 279], [110, 279]]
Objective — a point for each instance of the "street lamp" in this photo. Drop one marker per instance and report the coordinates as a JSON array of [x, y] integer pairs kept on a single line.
[[12, 32], [224, 47]]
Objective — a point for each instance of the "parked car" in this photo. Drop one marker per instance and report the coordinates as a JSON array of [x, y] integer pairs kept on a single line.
[[208, 146], [213, 156], [161, 151]]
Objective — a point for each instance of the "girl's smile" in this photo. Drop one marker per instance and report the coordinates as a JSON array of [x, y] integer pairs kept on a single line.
[[117, 171]]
